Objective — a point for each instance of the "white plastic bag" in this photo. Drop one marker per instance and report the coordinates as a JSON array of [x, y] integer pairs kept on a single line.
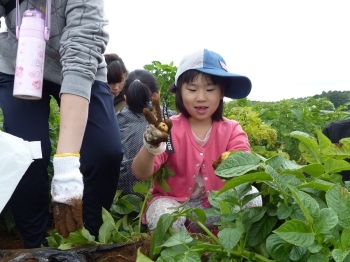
[[16, 155]]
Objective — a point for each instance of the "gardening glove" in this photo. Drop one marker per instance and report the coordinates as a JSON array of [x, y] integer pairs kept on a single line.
[[157, 129], [67, 193], [154, 140]]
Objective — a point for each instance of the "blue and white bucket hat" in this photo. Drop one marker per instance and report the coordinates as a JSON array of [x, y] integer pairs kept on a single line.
[[211, 63]]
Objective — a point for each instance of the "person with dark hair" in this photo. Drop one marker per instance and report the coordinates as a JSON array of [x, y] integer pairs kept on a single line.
[[336, 131], [198, 137], [140, 86], [86, 163], [116, 75]]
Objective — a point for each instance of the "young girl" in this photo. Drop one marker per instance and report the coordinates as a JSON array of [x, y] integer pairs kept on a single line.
[[140, 86], [116, 75], [199, 135]]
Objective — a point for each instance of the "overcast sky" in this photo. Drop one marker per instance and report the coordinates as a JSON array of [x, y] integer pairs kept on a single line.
[[287, 48]]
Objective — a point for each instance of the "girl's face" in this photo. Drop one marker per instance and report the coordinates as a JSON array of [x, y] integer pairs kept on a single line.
[[201, 98], [116, 88]]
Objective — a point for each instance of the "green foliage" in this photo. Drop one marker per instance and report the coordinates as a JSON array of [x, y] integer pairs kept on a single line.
[[1, 120], [305, 214], [262, 137], [54, 126], [165, 74], [289, 115], [338, 98], [122, 223]]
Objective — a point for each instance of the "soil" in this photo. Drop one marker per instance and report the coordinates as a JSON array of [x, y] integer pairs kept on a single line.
[[11, 249]]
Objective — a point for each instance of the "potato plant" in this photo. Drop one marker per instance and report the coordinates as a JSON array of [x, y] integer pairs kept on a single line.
[[305, 214]]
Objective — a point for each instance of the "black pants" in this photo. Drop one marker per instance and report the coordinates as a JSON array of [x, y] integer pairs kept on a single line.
[[101, 155]]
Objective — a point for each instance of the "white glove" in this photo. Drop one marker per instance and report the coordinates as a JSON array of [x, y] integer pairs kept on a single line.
[[256, 202], [152, 140], [67, 193], [67, 182]]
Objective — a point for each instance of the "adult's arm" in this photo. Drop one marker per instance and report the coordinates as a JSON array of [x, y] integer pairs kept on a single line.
[[82, 45]]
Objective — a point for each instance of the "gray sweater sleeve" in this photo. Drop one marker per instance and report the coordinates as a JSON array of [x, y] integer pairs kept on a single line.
[[82, 45]]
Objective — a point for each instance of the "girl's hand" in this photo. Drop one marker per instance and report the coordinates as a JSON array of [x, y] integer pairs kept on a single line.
[[157, 131]]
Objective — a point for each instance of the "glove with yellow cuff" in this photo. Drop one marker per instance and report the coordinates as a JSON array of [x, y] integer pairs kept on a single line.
[[67, 193]]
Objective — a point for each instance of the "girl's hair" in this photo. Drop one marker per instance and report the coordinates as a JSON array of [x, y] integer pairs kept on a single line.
[[115, 68], [188, 77], [138, 89]]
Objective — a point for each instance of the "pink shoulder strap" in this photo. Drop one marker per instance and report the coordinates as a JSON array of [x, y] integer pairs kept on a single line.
[[47, 19]]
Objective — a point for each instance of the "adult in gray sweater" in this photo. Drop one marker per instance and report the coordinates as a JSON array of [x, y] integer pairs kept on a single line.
[[89, 152]]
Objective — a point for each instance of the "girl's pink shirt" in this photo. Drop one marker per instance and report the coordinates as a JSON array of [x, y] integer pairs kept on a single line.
[[189, 157]]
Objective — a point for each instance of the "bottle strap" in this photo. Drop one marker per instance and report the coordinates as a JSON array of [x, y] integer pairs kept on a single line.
[[10, 6], [47, 19]]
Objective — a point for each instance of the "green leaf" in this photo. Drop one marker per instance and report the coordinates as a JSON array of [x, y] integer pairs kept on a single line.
[[77, 237], [297, 253], [323, 141], [340, 150], [276, 247], [335, 166], [200, 213], [260, 230], [296, 232], [284, 211], [345, 238], [275, 161], [308, 204], [170, 253], [236, 181], [141, 257], [253, 215], [123, 207], [339, 255], [327, 220], [134, 200], [105, 232], [178, 239], [277, 178], [338, 198], [237, 163], [315, 248], [318, 258], [318, 184], [142, 187], [225, 207], [314, 170], [308, 147], [229, 237], [165, 221], [189, 256], [65, 246], [290, 165], [86, 234], [106, 216]]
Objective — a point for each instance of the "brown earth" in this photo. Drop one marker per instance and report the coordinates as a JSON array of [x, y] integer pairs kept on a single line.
[[11, 248]]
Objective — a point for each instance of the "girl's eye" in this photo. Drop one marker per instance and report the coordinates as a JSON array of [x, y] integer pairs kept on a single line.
[[210, 90]]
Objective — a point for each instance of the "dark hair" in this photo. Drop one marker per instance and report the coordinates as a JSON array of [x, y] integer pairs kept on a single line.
[[188, 77], [138, 89], [115, 68]]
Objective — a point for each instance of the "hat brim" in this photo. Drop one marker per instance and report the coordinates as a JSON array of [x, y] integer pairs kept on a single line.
[[239, 87]]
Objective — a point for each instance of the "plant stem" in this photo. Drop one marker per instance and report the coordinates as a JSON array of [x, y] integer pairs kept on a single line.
[[145, 203], [245, 254]]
